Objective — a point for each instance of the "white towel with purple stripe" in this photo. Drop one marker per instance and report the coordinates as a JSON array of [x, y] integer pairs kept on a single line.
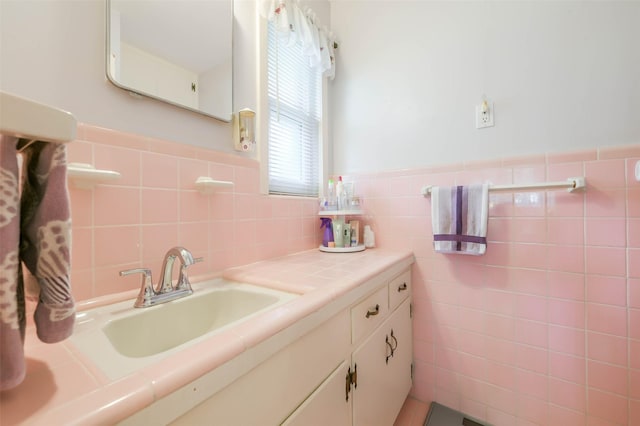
[[459, 217]]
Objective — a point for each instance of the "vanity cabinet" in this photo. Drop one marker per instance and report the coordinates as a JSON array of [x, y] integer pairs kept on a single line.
[[350, 366], [371, 386]]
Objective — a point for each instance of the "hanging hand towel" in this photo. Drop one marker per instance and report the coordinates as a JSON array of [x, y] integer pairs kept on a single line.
[[459, 219], [38, 233], [12, 317]]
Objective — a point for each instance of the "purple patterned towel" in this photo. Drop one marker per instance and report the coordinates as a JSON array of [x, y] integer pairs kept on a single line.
[[43, 223], [459, 216]]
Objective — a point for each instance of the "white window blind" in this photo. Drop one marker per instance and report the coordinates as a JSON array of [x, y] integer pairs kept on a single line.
[[295, 105]]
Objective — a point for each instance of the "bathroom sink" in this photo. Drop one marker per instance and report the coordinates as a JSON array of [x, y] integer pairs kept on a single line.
[[120, 339], [149, 331]]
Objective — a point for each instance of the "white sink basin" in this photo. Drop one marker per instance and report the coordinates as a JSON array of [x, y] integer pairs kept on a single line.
[[120, 339]]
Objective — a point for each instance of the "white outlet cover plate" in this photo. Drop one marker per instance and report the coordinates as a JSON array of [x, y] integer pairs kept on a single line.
[[638, 171], [482, 122]]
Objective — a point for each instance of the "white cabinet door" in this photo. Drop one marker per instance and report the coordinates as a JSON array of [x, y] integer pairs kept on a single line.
[[328, 405], [383, 364]]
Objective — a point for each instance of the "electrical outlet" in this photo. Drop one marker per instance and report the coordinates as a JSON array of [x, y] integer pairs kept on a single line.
[[484, 115]]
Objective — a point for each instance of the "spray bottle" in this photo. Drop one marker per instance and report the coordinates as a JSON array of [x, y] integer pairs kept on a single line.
[[327, 236]]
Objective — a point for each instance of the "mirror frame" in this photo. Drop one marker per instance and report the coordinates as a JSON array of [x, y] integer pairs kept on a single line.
[[136, 92]]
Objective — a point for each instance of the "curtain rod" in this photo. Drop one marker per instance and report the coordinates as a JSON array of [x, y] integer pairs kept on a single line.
[[571, 184]]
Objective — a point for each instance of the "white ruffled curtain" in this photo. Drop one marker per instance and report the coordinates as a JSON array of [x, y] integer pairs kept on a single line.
[[293, 25]]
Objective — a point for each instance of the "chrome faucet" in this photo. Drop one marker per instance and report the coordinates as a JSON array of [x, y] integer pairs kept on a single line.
[[165, 291]]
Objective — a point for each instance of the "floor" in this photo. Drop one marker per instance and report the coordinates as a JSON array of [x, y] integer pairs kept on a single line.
[[413, 413]]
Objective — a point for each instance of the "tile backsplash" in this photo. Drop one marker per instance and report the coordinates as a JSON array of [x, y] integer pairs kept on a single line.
[[544, 329], [132, 221]]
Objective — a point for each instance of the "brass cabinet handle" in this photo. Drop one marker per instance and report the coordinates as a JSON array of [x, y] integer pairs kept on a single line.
[[374, 311], [393, 347], [402, 287]]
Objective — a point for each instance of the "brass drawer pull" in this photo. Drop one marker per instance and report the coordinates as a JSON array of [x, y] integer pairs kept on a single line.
[[374, 311]]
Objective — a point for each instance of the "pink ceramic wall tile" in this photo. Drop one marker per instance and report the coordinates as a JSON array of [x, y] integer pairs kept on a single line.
[[502, 375], [532, 333], [156, 241], [634, 384], [631, 171], [79, 151], [606, 261], [528, 256], [82, 248], [533, 410], [471, 319], [563, 230], [193, 206], [189, 170], [633, 201], [606, 289], [567, 313], [634, 323], [116, 245], [127, 201], [566, 285], [565, 258], [501, 399], [563, 204], [529, 204], [529, 230], [82, 283], [607, 319], [607, 348], [571, 157], [532, 384], [501, 327], [499, 418], [605, 174], [501, 350], [605, 202], [221, 206], [525, 160], [125, 161], [159, 206], [564, 416], [531, 307], [159, 171], [607, 406], [634, 411], [499, 302], [634, 263], [567, 394], [634, 292], [111, 137], [633, 235], [81, 202], [621, 151], [606, 232], [532, 359], [568, 367], [247, 180], [566, 340], [607, 377]]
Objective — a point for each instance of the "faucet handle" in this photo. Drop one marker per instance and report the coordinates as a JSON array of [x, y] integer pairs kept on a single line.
[[146, 289]]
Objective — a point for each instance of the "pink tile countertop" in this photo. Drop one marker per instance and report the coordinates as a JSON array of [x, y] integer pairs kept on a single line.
[[63, 387]]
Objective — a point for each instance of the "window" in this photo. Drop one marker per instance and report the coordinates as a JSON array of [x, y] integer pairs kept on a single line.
[[294, 122]]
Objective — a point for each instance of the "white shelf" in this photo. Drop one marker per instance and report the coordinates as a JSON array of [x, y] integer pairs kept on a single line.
[[324, 213], [206, 185], [86, 176], [357, 248], [32, 120]]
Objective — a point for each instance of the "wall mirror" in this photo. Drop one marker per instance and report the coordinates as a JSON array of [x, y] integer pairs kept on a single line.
[[177, 51]]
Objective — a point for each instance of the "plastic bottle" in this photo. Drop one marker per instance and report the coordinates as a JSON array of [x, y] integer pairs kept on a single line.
[[369, 237], [331, 195], [341, 195]]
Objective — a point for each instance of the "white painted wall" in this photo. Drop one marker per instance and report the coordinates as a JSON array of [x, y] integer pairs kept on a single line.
[[563, 75], [54, 52]]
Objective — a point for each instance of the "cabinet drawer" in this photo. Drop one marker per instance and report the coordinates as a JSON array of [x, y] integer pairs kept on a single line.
[[366, 315], [399, 289]]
